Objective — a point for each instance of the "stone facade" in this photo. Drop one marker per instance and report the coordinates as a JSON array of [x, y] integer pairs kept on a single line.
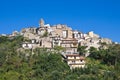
[[70, 44], [61, 30]]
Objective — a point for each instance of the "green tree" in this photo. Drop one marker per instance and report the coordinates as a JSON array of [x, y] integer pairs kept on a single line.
[[45, 34], [59, 48], [82, 50], [11, 75]]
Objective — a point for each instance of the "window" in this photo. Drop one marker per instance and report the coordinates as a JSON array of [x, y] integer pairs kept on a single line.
[[73, 61], [41, 43], [74, 57], [81, 60], [65, 34]]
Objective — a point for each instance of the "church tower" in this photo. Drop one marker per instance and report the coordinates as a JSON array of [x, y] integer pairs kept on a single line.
[[41, 23]]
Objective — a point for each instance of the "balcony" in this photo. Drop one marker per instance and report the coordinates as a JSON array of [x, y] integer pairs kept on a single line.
[[69, 42]]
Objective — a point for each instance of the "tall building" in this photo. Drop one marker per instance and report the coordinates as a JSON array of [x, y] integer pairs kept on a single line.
[[75, 61], [41, 24]]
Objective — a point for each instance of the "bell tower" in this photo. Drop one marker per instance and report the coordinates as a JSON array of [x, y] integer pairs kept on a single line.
[[41, 23]]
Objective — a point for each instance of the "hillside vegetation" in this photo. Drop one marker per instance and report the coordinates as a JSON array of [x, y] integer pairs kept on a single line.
[[20, 64]]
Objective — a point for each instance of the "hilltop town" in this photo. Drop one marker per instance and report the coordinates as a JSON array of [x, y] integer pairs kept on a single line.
[[58, 52], [47, 36], [59, 35]]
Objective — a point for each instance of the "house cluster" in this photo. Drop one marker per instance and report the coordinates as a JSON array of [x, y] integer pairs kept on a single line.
[[46, 36]]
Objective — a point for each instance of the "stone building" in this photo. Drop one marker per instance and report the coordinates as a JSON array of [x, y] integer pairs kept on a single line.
[[61, 30], [56, 41], [70, 45], [77, 35]]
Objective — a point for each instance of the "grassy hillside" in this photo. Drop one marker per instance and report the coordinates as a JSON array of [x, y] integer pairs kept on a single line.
[[16, 64]]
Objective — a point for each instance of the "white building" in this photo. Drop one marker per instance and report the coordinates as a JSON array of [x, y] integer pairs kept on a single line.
[[27, 46], [75, 61]]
